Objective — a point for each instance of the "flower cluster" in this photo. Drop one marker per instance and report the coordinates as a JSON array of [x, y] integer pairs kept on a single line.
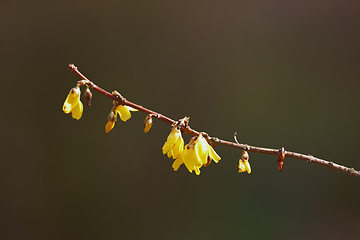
[[74, 106], [194, 155], [197, 153]]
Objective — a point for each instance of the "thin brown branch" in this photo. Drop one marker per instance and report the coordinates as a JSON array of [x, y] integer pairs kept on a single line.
[[213, 140]]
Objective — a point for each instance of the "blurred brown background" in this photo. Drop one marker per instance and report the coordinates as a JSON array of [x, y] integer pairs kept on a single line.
[[280, 73]]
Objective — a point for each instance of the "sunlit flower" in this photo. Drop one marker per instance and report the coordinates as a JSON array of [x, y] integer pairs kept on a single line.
[[244, 165], [124, 113], [111, 122], [190, 158], [197, 153], [174, 144], [72, 104], [205, 151]]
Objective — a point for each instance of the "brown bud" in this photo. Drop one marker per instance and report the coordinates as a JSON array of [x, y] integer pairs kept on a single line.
[[148, 123], [111, 116], [88, 96], [281, 156], [245, 155]]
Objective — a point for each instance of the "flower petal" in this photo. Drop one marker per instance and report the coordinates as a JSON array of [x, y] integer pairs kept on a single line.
[[247, 166], [177, 163], [213, 154], [169, 153], [67, 107], [131, 109], [191, 159], [109, 126], [72, 99], [77, 111], [201, 147], [197, 170], [178, 147], [124, 112], [242, 167], [171, 140]]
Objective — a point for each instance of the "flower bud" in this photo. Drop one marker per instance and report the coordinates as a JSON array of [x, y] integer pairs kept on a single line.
[[148, 123], [111, 122], [112, 116], [245, 155], [88, 96], [244, 165]]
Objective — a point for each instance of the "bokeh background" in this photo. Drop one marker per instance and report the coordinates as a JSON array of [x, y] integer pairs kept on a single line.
[[280, 73]]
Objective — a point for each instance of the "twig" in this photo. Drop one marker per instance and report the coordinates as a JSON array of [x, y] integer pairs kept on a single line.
[[213, 140]]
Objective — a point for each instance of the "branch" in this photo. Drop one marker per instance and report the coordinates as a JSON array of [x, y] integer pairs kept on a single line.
[[281, 153]]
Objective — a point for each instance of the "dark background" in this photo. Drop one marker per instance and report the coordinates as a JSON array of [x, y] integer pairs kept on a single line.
[[280, 73]]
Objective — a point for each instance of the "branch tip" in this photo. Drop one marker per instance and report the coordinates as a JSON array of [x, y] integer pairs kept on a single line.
[[72, 67]]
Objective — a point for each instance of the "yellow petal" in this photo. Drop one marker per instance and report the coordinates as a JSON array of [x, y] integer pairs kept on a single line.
[[213, 154], [178, 147], [109, 126], [201, 147], [197, 170], [72, 99], [242, 167], [124, 112], [77, 111], [169, 153], [171, 140], [247, 166], [177, 163], [66, 107], [191, 159]]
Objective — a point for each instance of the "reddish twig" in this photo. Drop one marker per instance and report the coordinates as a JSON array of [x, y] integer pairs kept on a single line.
[[216, 141]]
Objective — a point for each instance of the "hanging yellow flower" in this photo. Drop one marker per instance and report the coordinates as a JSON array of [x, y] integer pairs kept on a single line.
[[190, 158], [205, 151], [72, 104], [111, 122], [196, 154], [174, 144], [124, 113], [244, 165]]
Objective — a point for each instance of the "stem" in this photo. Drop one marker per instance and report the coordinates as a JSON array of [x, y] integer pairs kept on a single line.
[[213, 140]]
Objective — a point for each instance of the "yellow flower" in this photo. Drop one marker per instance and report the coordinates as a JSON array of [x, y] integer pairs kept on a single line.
[[174, 144], [190, 158], [72, 104], [123, 111], [205, 151], [111, 122], [196, 154], [244, 165]]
